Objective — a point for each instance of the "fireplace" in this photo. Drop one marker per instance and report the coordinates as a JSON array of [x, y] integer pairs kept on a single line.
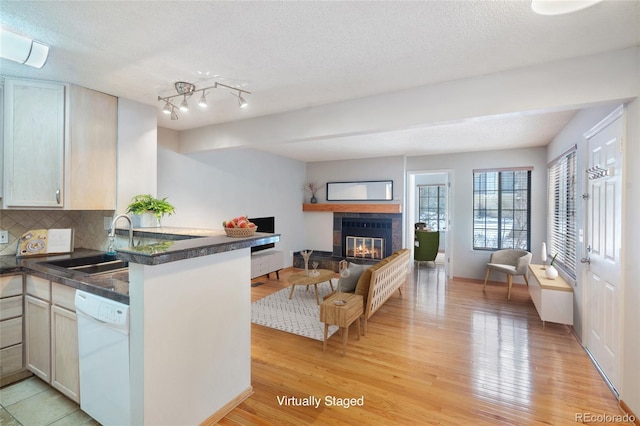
[[364, 247], [387, 226], [366, 237]]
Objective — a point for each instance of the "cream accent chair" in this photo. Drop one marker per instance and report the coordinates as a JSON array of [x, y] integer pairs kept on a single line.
[[511, 262]]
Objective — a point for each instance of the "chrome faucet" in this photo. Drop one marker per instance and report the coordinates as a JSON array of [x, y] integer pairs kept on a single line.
[[112, 233]]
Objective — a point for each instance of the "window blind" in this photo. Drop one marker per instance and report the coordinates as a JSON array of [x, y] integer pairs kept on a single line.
[[562, 211]]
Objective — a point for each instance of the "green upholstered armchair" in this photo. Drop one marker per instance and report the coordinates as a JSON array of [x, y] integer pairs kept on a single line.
[[426, 246]]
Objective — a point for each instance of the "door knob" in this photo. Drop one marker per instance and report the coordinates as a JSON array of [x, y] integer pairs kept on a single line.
[[586, 260]]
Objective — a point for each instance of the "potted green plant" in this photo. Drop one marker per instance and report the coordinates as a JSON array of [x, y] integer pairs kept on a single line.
[[148, 211]]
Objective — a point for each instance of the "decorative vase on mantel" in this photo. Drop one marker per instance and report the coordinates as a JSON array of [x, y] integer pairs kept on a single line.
[[314, 200], [551, 272]]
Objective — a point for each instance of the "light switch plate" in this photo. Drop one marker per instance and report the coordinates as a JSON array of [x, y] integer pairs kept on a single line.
[[4, 237]]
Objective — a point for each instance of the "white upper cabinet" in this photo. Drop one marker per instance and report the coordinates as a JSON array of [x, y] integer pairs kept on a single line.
[[91, 167], [60, 146], [34, 137]]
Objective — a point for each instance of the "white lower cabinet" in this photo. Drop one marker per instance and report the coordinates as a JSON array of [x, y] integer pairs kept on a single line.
[[52, 335], [64, 352], [11, 326], [38, 336], [265, 262]]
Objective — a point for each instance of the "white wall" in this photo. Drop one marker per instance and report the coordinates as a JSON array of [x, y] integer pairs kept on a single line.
[[319, 225], [137, 142], [210, 187], [466, 262]]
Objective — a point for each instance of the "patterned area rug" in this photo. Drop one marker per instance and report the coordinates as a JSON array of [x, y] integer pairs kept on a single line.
[[300, 315]]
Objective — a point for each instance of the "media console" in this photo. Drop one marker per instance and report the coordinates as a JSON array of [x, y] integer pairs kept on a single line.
[[265, 262]]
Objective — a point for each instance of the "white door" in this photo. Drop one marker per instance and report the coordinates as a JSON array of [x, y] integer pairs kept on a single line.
[[603, 276]]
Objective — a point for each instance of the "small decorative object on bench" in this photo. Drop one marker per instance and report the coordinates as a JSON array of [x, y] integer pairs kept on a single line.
[[239, 227], [551, 272]]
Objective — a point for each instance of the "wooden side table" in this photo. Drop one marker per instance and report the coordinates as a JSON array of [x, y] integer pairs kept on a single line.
[[341, 315]]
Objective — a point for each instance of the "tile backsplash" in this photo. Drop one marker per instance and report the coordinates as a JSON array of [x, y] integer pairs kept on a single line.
[[88, 226]]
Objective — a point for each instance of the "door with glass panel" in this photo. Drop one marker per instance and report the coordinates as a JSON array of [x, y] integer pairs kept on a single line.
[[432, 211]]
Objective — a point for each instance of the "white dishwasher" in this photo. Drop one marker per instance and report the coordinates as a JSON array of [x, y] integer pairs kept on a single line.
[[103, 343]]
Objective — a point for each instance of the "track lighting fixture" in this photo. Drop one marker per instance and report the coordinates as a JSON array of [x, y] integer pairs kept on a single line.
[[185, 90]]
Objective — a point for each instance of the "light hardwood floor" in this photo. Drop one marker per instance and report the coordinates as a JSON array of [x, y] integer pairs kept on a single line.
[[444, 352]]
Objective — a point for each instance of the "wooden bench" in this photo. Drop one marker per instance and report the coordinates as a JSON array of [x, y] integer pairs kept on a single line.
[[553, 299]]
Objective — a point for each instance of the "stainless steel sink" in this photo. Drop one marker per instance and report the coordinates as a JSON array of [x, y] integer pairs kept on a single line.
[[91, 265]]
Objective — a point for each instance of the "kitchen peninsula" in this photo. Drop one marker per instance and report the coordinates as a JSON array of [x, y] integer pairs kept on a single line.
[[190, 325]]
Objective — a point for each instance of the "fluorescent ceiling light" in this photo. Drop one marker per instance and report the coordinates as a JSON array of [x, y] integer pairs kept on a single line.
[[22, 49], [560, 7]]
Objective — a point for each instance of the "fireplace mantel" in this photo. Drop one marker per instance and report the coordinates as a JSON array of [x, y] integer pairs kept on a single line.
[[352, 208]]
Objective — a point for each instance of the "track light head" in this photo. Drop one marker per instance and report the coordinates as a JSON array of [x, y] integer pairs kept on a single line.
[[241, 102], [174, 115], [202, 103], [184, 106], [167, 108]]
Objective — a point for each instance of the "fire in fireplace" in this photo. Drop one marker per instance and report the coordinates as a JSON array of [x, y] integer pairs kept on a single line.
[[364, 247], [373, 235]]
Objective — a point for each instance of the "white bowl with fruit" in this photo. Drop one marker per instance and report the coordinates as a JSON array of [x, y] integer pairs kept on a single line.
[[239, 227]]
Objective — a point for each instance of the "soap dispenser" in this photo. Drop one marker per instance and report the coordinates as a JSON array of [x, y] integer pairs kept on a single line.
[[111, 248]]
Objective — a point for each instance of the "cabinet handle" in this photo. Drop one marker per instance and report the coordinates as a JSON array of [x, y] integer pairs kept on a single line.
[[58, 196]]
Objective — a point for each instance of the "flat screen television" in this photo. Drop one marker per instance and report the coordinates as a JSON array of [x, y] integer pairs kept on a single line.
[[264, 224]]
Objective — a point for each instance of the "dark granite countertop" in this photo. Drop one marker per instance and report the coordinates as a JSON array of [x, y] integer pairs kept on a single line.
[[186, 243], [114, 286], [177, 244]]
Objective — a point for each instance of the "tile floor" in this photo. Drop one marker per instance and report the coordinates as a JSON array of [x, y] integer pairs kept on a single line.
[[32, 402]]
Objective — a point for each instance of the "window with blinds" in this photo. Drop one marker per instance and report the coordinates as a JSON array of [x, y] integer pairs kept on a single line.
[[562, 211]]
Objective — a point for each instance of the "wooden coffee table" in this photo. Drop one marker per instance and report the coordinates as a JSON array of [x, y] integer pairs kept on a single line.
[[299, 278], [349, 309]]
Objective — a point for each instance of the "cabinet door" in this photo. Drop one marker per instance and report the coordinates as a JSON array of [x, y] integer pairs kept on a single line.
[[276, 261], [38, 337], [64, 352], [93, 121], [34, 137]]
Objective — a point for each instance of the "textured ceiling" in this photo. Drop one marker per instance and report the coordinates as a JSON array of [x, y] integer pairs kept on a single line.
[[294, 55]]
